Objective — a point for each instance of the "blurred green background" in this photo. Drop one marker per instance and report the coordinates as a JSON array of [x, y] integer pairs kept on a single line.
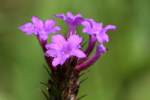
[[123, 73]]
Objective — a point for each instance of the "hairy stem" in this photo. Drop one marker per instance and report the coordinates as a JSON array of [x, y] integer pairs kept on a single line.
[[64, 83]]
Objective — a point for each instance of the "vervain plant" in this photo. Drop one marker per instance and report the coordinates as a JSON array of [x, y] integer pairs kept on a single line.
[[65, 55]]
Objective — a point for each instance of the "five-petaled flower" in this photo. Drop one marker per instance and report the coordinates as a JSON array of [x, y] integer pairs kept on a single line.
[[70, 19], [61, 49], [40, 28], [93, 28], [70, 45]]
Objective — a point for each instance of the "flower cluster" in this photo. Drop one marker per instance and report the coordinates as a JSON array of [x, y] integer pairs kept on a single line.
[[70, 45]]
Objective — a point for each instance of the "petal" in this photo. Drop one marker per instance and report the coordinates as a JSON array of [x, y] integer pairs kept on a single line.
[[70, 19], [58, 39], [61, 16], [27, 28], [38, 24], [102, 37], [60, 59], [49, 24], [97, 27], [51, 53], [70, 15], [63, 59], [91, 27], [78, 21], [55, 29], [78, 15], [56, 61], [78, 53], [74, 40], [109, 27], [87, 27], [101, 48], [53, 46]]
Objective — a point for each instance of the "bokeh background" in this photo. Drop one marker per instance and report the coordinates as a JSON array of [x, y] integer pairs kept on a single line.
[[121, 74]]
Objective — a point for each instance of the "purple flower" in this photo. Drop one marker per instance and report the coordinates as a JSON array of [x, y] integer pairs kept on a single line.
[[70, 19], [40, 28], [65, 47], [93, 28], [61, 49]]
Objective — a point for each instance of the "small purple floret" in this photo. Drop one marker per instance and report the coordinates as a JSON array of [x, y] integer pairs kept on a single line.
[[61, 49], [93, 28], [70, 19], [40, 28]]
